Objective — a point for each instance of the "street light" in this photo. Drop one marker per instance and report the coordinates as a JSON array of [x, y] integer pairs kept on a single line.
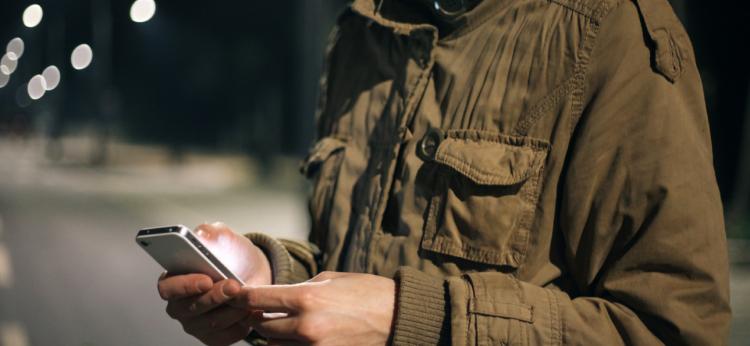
[[142, 10], [16, 46], [37, 87], [81, 57], [32, 16], [51, 76]]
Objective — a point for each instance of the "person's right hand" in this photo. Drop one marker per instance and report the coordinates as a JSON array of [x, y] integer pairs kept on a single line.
[[199, 304]]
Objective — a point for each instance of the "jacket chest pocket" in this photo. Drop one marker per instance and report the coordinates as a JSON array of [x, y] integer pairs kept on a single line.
[[487, 186], [322, 167]]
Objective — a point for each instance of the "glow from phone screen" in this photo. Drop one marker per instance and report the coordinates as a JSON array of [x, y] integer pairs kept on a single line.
[[227, 250]]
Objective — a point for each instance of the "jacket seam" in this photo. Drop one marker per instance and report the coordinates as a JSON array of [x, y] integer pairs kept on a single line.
[[555, 320], [572, 86], [591, 42]]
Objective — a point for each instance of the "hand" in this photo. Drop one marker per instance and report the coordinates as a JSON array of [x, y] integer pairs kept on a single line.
[[332, 308], [237, 252], [199, 304]]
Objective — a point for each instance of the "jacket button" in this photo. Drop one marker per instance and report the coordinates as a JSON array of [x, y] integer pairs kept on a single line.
[[429, 144]]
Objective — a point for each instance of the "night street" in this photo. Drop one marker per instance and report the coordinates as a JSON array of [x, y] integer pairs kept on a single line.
[[70, 272]]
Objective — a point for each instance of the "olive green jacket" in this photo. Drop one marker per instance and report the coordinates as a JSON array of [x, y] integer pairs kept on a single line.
[[530, 172]]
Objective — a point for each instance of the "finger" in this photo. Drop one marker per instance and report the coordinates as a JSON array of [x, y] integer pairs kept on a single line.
[[327, 275], [284, 328], [226, 336], [222, 292], [218, 319], [182, 286], [271, 298], [209, 231]]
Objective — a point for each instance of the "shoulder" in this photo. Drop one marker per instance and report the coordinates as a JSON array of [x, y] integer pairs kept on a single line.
[[650, 26]]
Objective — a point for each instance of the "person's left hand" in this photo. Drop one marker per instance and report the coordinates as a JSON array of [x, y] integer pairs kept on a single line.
[[331, 308]]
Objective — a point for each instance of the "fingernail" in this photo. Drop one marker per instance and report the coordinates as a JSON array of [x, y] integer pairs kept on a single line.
[[201, 233], [229, 290]]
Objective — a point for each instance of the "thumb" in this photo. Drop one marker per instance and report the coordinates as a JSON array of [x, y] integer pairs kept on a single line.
[[211, 231]]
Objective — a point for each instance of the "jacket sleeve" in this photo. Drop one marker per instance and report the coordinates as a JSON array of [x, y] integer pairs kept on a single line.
[[639, 221], [291, 261]]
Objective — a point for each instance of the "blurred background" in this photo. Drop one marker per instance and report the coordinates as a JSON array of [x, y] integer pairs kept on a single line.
[[120, 114]]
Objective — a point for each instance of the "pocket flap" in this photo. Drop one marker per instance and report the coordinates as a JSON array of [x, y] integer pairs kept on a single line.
[[489, 158], [516, 311], [323, 149]]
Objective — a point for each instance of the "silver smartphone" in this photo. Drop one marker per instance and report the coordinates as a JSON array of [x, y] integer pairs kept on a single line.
[[180, 251]]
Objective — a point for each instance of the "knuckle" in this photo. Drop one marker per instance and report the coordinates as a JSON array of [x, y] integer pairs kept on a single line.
[[307, 299], [251, 298], [215, 298], [326, 275], [204, 225], [219, 226]]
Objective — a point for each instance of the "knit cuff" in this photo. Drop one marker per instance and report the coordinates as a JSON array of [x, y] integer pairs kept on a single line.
[[281, 260], [421, 311]]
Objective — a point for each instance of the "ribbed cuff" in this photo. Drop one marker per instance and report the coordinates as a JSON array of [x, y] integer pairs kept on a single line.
[[421, 311], [281, 260], [304, 259]]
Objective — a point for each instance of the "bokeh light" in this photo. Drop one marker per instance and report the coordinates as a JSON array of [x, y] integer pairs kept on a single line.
[[8, 63], [51, 76], [81, 57], [4, 79], [142, 10], [32, 16], [16, 46], [37, 87]]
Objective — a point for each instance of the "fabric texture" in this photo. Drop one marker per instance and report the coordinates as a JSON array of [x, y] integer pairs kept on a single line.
[[531, 172], [420, 318]]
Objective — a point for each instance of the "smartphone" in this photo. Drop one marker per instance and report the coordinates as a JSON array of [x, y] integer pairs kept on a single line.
[[180, 251]]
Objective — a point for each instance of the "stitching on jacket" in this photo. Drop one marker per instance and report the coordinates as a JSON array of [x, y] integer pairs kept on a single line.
[[483, 177], [411, 104], [471, 252], [547, 103], [572, 85], [554, 308], [589, 45], [527, 218], [497, 137]]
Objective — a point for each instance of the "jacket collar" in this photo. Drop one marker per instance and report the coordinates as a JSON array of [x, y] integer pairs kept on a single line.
[[446, 26]]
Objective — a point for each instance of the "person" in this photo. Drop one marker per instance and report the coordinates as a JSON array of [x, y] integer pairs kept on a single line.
[[492, 172]]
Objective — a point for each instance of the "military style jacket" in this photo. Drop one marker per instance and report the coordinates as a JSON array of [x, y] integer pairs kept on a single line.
[[529, 171]]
